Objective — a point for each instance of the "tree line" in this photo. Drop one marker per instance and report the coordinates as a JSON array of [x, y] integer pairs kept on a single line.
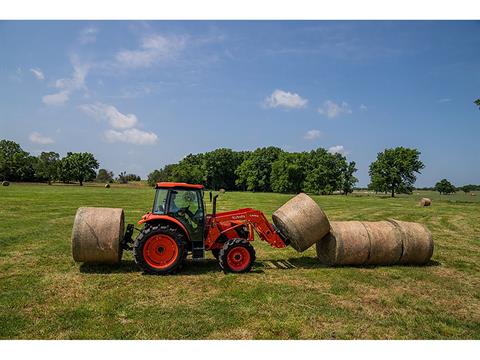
[[267, 169], [17, 164]]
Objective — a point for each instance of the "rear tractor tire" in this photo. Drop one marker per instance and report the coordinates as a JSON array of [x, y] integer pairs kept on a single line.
[[237, 256], [160, 249]]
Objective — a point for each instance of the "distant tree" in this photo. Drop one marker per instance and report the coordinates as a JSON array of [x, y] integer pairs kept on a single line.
[[191, 169], [444, 187], [254, 173], [15, 163], [394, 170], [164, 174], [78, 167], [47, 166], [467, 188], [288, 173], [348, 179], [324, 171], [104, 176], [122, 178], [132, 177], [219, 168], [477, 102]]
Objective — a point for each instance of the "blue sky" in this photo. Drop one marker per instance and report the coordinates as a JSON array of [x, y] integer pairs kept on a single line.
[[140, 95]]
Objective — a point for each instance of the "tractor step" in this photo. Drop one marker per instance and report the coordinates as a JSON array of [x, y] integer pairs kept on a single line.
[[198, 250]]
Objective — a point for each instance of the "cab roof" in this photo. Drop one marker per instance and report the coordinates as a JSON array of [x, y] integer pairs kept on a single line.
[[178, 185]]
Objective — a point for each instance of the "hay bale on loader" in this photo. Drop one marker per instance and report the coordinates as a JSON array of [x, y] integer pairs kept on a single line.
[[302, 221], [425, 202], [97, 234], [375, 243]]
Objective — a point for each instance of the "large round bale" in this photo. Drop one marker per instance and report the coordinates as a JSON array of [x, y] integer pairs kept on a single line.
[[107, 186], [385, 243], [417, 242], [5, 183], [425, 202], [302, 221], [96, 235], [347, 243]]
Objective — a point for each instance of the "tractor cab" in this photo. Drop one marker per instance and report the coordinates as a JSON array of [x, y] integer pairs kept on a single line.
[[184, 203]]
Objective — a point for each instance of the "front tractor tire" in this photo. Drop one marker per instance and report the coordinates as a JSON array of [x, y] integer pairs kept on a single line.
[[160, 249], [237, 256]]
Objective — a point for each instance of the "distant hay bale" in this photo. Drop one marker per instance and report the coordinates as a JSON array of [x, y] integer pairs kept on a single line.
[[473, 194], [302, 221], [97, 234], [107, 186], [425, 202], [5, 183]]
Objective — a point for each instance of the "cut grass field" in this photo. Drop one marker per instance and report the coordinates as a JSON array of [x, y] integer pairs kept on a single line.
[[45, 295]]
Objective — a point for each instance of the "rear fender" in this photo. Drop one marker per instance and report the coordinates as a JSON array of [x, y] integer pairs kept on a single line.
[[152, 218]]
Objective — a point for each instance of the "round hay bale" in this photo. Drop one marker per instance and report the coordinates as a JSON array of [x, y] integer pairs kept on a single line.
[[385, 243], [107, 186], [425, 202], [417, 242], [302, 221], [346, 244], [96, 235], [5, 183]]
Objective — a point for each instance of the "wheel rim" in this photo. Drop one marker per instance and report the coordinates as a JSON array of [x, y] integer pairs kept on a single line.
[[238, 258], [160, 251]]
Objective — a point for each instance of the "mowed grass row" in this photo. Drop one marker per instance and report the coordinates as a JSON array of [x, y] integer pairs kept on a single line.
[[45, 295]]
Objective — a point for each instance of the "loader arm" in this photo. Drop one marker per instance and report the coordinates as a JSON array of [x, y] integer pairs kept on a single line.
[[224, 223]]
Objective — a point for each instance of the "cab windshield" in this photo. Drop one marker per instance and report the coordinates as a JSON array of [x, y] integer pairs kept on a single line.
[[159, 205]]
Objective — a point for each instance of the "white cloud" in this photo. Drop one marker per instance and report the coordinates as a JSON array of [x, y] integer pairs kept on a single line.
[[337, 149], [38, 73], [56, 99], [88, 35], [37, 138], [312, 134], [331, 109], [116, 119], [363, 107], [154, 48], [131, 136], [285, 99], [444, 100], [68, 85]]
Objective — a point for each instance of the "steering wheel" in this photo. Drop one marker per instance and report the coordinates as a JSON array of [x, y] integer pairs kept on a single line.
[[183, 211]]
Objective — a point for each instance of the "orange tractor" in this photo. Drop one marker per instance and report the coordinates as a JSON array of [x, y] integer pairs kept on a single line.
[[178, 225]]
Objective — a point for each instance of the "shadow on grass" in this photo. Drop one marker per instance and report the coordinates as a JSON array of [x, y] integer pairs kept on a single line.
[[125, 266], [211, 266], [305, 262]]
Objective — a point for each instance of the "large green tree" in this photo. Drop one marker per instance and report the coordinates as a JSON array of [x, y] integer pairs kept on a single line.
[[288, 173], [160, 175], [324, 171], [254, 172], [15, 163], [46, 167], [191, 169], [395, 169], [444, 187], [219, 167], [348, 179], [78, 167]]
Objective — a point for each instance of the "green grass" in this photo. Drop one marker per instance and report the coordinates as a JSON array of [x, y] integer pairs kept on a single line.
[[45, 295]]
